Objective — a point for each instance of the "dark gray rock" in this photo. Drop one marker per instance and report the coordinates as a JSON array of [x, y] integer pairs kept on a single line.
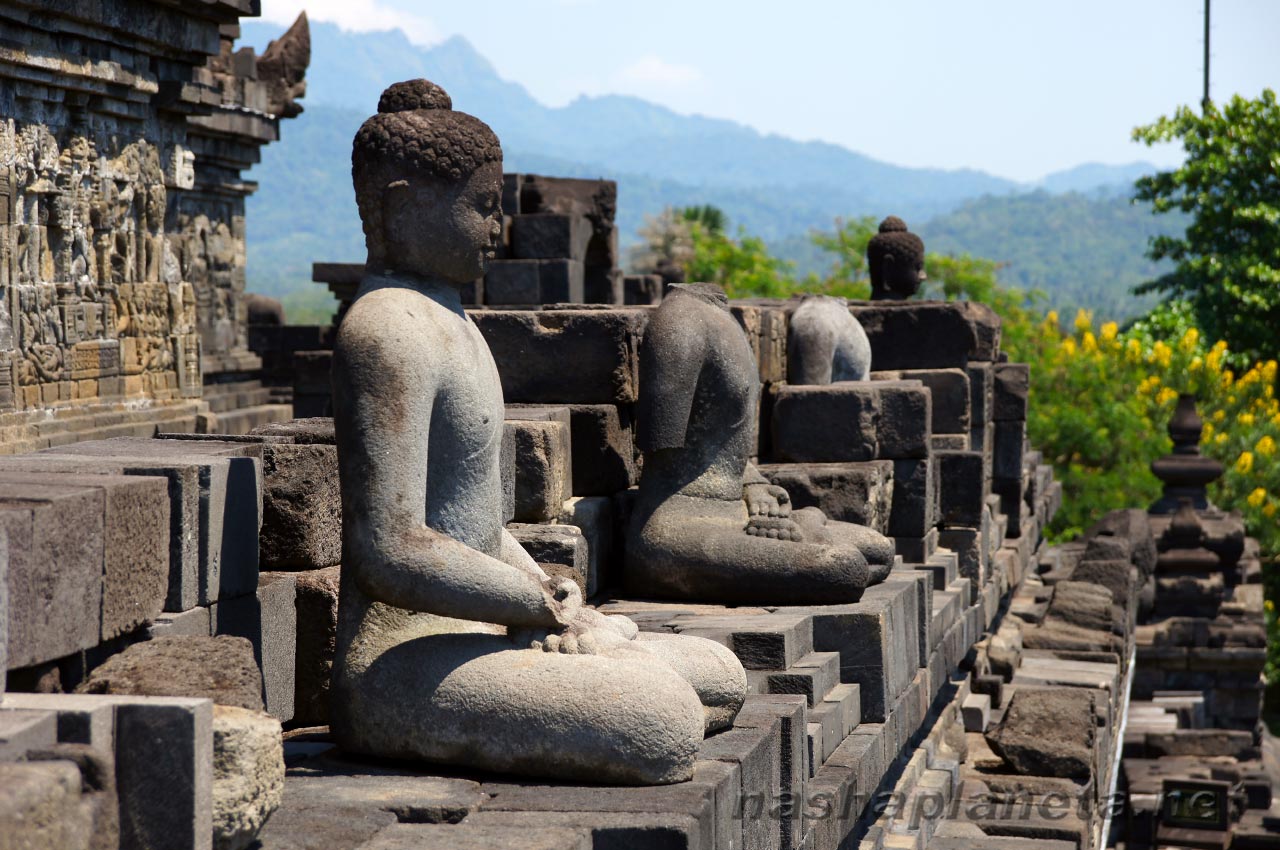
[[1009, 392], [316, 602], [963, 490], [860, 493], [41, 806], [301, 507], [97, 789], [905, 428], [268, 620], [544, 462], [915, 500], [221, 669], [832, 423], [1048, 733]]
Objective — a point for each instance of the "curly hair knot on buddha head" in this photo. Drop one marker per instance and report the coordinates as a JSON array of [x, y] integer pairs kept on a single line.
[[907, 252], [414, 94], [416, 134]]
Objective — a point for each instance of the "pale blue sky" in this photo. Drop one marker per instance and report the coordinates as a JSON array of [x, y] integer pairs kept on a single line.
[[1018, 88]]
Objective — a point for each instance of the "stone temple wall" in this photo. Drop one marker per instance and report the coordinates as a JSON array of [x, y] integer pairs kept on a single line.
[[124, 128]]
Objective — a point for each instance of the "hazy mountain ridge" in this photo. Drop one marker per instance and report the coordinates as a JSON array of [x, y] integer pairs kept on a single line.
[[773, 187]]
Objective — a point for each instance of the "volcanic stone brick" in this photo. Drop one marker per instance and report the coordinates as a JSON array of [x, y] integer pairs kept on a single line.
[[544, 471], [860, 493], [906, 419], [164, 752], [135, 567], [546, 236], [560, 549], [603, 447], [4, 606], [756, 753], [221, 669], [962, 489], [642, 289], [565, 356], [269, 620], [950, 396], [193, 622], [512, 282], [80, 718], [897, 332], [981, 385], [184, 487], [914, 497], [316, 602], [789, 715], [40, 806], [593, 516], [560, 281], [966, 543], [1011, 384], [1010, 445], [429, 836], [55, 542], [1133, 526], [301, 507], [835, 422], [24, 729], [1048, 733]]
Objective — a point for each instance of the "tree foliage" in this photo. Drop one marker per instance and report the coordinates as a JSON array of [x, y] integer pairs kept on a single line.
[[1227, 263]]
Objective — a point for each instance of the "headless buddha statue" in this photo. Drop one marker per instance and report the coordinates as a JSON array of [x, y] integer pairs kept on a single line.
[[453, 645], [707, 525]]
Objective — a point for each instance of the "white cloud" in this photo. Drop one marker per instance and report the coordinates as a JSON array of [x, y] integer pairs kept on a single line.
[[355, 15], [653, 70]]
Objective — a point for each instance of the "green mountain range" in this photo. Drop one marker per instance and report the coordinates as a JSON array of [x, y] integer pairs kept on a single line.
[[777, 188]]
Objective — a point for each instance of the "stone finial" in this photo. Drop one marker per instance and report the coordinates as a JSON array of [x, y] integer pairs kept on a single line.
[[283, 67], [1185, 472], [895, 257]]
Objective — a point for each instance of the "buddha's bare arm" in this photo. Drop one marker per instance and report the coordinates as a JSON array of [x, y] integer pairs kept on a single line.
[[384, 416]]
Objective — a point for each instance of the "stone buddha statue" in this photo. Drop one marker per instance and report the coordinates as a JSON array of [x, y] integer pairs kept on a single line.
[[707, 526], [825, 343], [895, 258], [453, 645]]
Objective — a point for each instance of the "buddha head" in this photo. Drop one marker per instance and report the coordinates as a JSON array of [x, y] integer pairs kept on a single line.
[[428, 184], [895, 257]]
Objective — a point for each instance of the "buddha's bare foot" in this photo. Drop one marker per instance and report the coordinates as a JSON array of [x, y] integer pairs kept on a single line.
[[775, 528], [766, 500]]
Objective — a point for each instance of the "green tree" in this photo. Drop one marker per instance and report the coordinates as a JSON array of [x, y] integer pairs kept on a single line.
[[1227, 263]]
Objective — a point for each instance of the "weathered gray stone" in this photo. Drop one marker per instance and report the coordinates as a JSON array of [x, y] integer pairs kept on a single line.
[[825, 343], [1048, 733], [164, 751], [135, 558], [405, 836], [905, 428], [960, 499], [97, 789], [594, 517], [915, 499], [950, 399], [603, 449], [221, 669], [897, 331], [194, 622], [23, 729], [1009, 392], [269, 621], [41, 807], [459, 644], [549, 236], [55, 541], [1009, 449], [301, 507], [248, 774], [544, 462], [4, 607], [79, 718], [832, 423], [316, 602], [561, 550]]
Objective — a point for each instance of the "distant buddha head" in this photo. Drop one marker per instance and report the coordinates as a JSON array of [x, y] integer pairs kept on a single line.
[[428, 184], [895, 256]]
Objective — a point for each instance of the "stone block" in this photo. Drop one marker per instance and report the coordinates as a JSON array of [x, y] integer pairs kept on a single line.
[[761, 641], [918, 334], [316, 604], [642, 289], [565, 356], [976, 712], [40, 806], [301, 507], [193, 622], [914, 497], [860, 493], [755, 751], [550, 236], [164, 752], [4, 608], [561, 282], [55, 540], [1011, 383], [269, 621], [1009, 448], [789, 715], [593, 516], [512, 283], [949, 397], [828, 423], [812, 677], [230, 502], [906, 419], [981, 381], [602, 448], [917, 550], [23, 729], [472, 836], [562, 550], [1048, 733], [79, 718], [544, 471], [963, 490], [620, 830], [135, 557]]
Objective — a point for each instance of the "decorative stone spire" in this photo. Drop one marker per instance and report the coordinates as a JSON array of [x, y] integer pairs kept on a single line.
[[1185, 472]]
